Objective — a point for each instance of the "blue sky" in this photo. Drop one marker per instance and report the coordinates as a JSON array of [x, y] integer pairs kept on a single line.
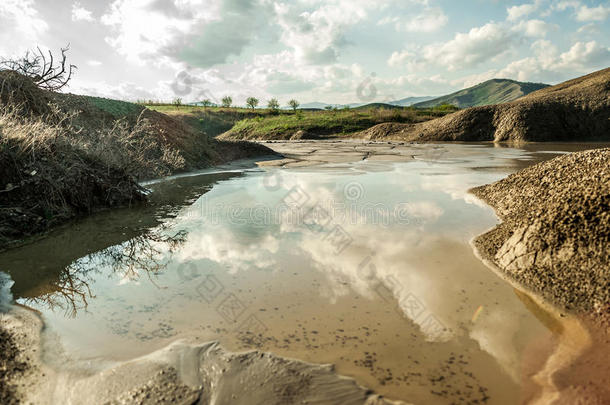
[[311, 50]]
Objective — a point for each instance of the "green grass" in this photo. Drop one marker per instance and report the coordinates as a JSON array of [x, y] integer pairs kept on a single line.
[[320, 124], [116, 108], [213, 120]]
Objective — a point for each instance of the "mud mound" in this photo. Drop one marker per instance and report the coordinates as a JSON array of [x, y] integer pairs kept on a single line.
[[556, 229], [21, 91], [577, 110]]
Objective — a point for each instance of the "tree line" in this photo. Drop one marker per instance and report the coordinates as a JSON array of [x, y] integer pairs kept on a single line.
[[251, 102]]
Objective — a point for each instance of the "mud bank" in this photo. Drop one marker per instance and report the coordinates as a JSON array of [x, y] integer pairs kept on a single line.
[[553, 242], [556, 229], [181, 373]]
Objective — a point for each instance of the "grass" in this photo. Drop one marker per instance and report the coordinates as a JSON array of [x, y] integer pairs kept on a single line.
[[212, 120], [116, 108], [320, 124]]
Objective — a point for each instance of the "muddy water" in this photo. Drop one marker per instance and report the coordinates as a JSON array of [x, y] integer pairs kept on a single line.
[[350, 254]]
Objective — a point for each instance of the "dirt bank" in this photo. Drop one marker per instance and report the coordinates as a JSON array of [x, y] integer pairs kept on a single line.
[[556, 229], [576, 110], [554, 241], [63, 156]]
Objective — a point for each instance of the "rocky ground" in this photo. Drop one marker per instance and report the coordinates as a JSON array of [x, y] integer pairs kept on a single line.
[[555, 232], [577, 110], [554, 241]]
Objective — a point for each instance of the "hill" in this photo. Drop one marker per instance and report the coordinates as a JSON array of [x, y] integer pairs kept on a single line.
[[493, 91], [64, 155], [325, 124], [409, 101], [576, 110]]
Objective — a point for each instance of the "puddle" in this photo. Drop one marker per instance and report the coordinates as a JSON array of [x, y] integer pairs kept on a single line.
[[365, 264]]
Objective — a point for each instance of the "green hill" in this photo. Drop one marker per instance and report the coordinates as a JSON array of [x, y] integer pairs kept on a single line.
[[495, 91]]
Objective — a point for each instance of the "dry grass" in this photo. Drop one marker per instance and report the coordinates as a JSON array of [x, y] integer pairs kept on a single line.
[[122, 146], [50, 171]]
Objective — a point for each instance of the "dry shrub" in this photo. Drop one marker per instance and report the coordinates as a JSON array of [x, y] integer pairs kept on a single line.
[[135, 148], [49, 174]]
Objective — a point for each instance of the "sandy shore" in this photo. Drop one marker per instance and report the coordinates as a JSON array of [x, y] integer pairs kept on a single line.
[[181, 373]]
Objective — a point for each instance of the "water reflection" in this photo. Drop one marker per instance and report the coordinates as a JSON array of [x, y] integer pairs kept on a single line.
[[329, 263], [147, 254]]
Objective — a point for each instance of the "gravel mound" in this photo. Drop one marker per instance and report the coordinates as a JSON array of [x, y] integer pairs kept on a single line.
[[555, 234]]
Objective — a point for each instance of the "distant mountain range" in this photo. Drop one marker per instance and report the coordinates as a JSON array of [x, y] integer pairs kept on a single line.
[[494, 91], [405, 102]]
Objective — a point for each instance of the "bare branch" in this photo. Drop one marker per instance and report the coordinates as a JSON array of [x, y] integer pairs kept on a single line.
[[44, 72]]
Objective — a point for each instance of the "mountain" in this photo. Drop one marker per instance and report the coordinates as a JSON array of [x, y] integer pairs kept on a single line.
[[319, 106], [494, 91], [405, 102], [409, 101], [576, 110]]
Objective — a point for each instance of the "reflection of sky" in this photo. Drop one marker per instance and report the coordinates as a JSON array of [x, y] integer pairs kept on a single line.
[[425, 263]]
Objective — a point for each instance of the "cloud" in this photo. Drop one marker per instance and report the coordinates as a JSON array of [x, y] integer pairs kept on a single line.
[[317, 35], [21, 26], [470, 49], [534, 28], [429, 20], [583, 12], [201, 33], [584, 54], [599, 13], [79, 13], [516, 12], [400, 58], [549, 64]]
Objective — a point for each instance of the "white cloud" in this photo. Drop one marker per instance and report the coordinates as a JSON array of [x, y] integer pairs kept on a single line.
[[21, 26], [535, 28], [429, 20], [400, 58], [547, 63], [94, 63], [200, 32], [583, 12], [599, 13], [469, 49], [583, 54], [516, 12], [589, 28], [317, 34], [79, 13]]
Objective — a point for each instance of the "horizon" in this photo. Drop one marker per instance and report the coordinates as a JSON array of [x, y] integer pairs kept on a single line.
[[336, 52]]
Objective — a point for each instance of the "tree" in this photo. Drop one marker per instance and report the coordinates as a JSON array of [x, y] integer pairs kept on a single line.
[[206, 103], [294, 104], [42, 69], [252, 102], [177, 102], [227, 101], [273, 104]]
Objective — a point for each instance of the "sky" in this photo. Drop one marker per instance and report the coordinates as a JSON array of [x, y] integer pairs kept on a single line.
[[332, 51]]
